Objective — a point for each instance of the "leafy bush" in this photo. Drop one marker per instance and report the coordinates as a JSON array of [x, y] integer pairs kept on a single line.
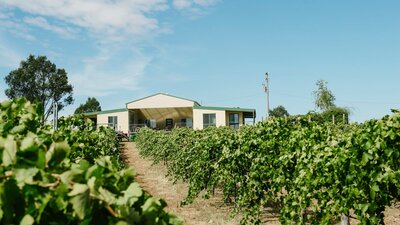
[[46, 179], [88, 141]]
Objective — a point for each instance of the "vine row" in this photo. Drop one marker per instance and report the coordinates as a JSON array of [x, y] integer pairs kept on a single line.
[[311, 172]]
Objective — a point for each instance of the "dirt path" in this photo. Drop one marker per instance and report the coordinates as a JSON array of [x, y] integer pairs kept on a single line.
[[152, 179], [211, 211]]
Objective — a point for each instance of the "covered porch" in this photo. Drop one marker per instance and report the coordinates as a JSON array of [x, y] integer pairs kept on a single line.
[[160, 111], [160, 118]]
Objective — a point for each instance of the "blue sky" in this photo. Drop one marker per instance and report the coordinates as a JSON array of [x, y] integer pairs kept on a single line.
[[213, 51]]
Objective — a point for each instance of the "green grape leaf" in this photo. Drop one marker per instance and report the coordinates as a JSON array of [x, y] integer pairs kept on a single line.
[[131, 194], [27, 143], [10, 151], [365, 158], [106, 195], [27, 220], [80, 200], [57, 152], [78, 189], [25, 176]]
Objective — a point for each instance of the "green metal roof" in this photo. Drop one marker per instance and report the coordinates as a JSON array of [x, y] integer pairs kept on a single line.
[[237, 109], [105, 112], [195, 103]]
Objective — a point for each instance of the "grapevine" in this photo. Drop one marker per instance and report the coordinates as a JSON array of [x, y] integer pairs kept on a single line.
[[312, 172], [61, 177]]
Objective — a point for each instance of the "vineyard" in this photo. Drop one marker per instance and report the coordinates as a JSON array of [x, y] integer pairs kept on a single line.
[[70, 176], [313, 173]]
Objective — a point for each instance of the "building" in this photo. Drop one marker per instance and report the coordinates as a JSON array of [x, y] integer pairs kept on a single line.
[[164, 111]]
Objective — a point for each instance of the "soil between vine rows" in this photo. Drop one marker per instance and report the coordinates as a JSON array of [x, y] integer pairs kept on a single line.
[[203, 211]]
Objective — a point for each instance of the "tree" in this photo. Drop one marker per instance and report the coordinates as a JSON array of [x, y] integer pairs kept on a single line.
[[324, 98], [333, 114], [279, 111], [91, 105], [38, 79], [336, 115]]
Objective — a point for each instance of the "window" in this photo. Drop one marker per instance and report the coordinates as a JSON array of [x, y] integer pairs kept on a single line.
[[113, 122], [183, 122], [169, 124], [234, 120], [209, 120]]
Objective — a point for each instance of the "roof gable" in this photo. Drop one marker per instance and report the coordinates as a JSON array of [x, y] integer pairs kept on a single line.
[[160, 100]]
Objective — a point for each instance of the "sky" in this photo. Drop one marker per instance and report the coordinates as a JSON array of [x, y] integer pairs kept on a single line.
[[215, 52]]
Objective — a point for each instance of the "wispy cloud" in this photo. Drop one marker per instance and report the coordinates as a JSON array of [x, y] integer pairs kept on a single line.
[[9, 57], [115, 26], [101, 77], [192, 4], [3, 15], [9, 24], [105, 19], [112, 19], [65, 32]]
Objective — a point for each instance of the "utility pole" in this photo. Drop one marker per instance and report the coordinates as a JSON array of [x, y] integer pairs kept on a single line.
[[55, 113], [266, 90]]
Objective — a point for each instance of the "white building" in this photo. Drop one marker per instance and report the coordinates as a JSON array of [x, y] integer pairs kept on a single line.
[[163, 111]]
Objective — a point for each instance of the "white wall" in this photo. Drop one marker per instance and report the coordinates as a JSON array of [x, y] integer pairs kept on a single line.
[[160, 101], [220, 117], [123, 120]]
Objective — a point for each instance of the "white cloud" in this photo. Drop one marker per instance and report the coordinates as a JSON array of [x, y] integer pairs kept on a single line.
[[115, 25], [7, 24], [206, 2], [65, 32], [190, 4], [110, 19], [182, 4], [105, 20]]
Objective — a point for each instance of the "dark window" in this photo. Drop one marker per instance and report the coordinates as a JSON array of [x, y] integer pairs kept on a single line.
[[234, 120], [113, 122], [169, 123], [209, 120], [183, 122]]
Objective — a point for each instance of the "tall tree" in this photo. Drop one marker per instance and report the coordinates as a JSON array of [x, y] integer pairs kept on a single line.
[[91, 105], [279, 111], [324, 98], [38, 79]]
